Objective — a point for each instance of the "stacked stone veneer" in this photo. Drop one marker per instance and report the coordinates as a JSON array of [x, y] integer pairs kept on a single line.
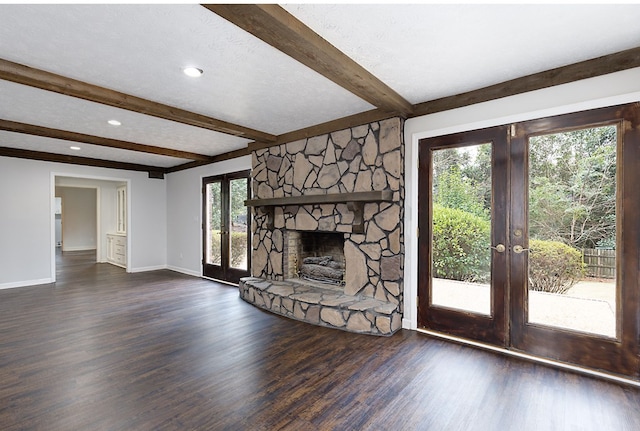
[[360, 159]]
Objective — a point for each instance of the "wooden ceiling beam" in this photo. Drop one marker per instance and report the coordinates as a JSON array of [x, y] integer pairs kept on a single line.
[[44, 80], [30, 129], [214, 159], [74, 160], [604, 65], [277, 27]]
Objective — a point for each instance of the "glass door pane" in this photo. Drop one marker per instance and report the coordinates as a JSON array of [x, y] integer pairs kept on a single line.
[[462, 243], [572, 230], [461, 228], [238, 250], [226, 231], [574, 181], [213, 230]]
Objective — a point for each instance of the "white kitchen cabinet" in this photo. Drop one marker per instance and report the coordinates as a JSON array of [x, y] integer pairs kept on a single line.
[[117, 249]]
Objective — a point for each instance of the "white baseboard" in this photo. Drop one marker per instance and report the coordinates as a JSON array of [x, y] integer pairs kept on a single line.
[[406, 324], [148, 268], [184, 271], [169, 267], [79, 248], [26, 283]]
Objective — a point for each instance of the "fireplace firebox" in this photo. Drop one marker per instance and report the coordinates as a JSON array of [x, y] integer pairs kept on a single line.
[[315, 256]]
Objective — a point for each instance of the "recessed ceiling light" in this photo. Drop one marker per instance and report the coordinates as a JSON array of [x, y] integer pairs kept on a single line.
[[114, 122], [193, 72], [74, 148]]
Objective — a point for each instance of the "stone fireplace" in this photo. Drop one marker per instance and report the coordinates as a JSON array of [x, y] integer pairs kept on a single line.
[[346, 190]]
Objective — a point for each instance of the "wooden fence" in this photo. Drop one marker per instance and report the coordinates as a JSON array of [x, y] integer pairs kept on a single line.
[[600, 263]]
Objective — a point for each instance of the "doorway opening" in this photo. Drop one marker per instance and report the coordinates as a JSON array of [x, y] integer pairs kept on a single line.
[[87, 214]]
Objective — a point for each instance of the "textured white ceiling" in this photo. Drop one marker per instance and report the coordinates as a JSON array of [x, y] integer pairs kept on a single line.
[[429, 51], [141, 50], [32, 106], [423, 51]]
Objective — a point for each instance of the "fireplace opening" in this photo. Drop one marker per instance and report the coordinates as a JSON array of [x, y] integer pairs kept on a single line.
[[317, 256]]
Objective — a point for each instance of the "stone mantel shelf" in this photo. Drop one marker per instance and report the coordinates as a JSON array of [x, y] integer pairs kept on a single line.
[[333, 198], [355, 202]]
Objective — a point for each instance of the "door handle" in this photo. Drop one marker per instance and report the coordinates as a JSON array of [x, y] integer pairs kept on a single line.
[[500, 248], [517, 249]]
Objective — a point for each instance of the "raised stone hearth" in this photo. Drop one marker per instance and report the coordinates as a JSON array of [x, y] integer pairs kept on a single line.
[[323, 306], [349, 182]]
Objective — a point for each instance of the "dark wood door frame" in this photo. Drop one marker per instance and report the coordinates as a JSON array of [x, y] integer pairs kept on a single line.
[[490, 329], [620, 355], [225, 271]]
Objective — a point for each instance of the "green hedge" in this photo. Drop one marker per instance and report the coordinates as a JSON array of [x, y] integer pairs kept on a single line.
[[238, 247], [460, 244], [554, 267]]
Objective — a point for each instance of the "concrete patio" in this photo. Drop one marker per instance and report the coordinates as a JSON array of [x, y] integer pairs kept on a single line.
[[589, 306]]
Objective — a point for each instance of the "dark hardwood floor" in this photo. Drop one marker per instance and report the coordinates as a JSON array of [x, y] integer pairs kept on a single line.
[[106, 350]]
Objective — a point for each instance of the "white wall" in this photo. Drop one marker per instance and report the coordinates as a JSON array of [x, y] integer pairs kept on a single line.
[[26, 218], [147, 226], [617, 88], [25, 223], [79, 218], [184, 213]]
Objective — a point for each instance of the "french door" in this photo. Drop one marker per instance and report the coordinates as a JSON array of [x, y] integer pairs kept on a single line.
[[510, 218], [226, 227]]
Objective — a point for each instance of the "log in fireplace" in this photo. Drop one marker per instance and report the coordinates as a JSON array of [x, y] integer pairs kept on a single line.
[[316, 256]]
